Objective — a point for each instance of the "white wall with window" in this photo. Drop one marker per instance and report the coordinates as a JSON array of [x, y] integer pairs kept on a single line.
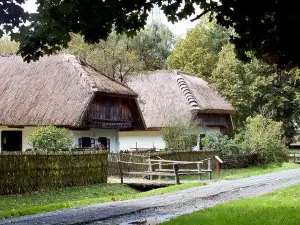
[[150, 139], [16, 139], [107, 139]]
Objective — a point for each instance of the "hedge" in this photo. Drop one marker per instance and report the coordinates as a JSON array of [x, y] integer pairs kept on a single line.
[[28, 171]]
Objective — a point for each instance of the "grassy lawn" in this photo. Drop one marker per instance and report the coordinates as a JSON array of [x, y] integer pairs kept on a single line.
[[280, 207], [230, 174], [46, 201]]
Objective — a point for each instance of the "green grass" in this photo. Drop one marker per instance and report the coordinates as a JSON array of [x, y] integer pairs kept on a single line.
[[47, 201], [280, 207], [230, 174]]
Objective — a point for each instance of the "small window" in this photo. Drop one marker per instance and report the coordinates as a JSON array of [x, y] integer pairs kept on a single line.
[[104, 143], [85, 142]]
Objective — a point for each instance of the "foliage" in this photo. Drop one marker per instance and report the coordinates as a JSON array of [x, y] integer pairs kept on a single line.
[[268, 28], [263, 136], [223, 143], [8, 46], [198, 51], [256, 87], [280, 207], [47, 201], [179, 135], [120, 56], [50, 139]]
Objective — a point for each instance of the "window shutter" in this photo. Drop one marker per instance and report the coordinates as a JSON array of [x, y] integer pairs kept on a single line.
[[80, 142], [92, 142]]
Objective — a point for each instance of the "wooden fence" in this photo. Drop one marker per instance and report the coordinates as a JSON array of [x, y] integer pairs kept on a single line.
[[140, 157], [28, 172]]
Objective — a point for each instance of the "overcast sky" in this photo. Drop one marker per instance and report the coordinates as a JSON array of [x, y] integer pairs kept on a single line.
[[179, 28]]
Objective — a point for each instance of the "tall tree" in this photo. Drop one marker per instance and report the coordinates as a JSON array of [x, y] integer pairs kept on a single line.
[[256, 87], [269, 28], [198, 51], [120, 56]]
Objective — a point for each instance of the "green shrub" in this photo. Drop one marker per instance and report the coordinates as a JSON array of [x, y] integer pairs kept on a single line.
[[223, 143], [264, 137], [50, 139], [261, 136], [180, 136]]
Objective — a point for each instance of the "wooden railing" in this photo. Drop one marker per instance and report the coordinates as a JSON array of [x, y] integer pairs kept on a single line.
[[175, 171]]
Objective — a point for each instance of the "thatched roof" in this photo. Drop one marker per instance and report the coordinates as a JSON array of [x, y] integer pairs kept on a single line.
[[168, 96], [55, 90]]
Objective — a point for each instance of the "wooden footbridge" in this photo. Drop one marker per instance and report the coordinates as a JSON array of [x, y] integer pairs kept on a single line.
[[168, 168]]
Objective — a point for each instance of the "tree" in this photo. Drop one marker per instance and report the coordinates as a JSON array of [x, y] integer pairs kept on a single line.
[[50, 139], [8, 46], [269, 28], [112, 57], [199, 51], [120, 56], [256, 87]]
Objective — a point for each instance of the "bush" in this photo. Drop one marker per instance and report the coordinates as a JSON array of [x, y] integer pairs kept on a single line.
[[50, 139], [264, 137], [261, 136], [223, 143], [180, 136]]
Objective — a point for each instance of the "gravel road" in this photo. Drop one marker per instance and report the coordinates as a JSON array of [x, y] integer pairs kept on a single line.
[[155, 209]]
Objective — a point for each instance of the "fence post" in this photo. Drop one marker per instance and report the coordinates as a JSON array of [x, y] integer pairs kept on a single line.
[[150, 167], [218, 162], [209, 164], [199, 169], [176, 168], [121, 172], [159, 167]]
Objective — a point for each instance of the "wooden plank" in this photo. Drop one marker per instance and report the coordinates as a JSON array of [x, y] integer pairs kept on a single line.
[[180, 170], [219, 159], [161, 173], [147, 174], [133, 163], [176, 162], [206, 170]]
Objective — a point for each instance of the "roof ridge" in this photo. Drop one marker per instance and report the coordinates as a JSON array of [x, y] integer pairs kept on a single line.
[[77, 63], [187, 92]]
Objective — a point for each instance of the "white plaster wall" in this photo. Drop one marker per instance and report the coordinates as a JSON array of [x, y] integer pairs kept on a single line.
[[144, 139], [113, 135], [148, 139]]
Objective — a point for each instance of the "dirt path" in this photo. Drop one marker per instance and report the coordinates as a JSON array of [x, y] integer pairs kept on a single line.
[[151, 210]]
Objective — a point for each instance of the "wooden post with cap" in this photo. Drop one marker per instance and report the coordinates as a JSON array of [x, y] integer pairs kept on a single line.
[[218, 162]]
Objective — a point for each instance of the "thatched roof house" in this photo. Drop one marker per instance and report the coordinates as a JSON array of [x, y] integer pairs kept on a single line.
[[55, 90], [170, 97], [166, 96], [64, 90]]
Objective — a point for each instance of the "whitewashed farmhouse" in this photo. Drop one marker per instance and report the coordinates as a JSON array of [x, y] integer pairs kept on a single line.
[[64, 91], [167, 96]]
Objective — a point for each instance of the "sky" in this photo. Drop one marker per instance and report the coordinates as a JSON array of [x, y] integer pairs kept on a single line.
[[179, 29]]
